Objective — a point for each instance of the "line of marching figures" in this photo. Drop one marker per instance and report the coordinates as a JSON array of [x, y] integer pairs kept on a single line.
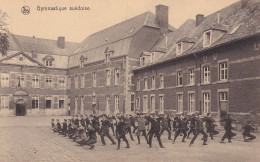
[[84, 129]]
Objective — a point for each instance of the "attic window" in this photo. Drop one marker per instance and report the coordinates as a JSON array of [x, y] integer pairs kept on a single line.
[[142, 61], [179, 48], [107, 59], [82, 59], [207, 38], [49, 63], [152, 57]]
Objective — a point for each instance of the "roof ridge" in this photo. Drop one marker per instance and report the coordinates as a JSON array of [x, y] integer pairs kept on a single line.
[[117, 24]]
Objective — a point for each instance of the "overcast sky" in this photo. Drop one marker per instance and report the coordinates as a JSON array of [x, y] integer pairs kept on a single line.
[[77, 25]]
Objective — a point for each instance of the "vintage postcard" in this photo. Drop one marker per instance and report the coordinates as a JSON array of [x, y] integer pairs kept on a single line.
[[129, 80]]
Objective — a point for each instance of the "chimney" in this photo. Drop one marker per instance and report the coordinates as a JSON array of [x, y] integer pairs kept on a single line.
[[199, 19], [161, 13], [61, 42], [244, 3]]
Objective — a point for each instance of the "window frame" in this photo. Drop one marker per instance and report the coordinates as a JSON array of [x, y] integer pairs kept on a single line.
[[94, 79], [191, 76], [36, 100], [220, 71], [161, 81], [206, 42], [208, 80], [152, 105], [47, 98], [191, 108], [161, 104], [179, 106], [35, 83], [179, 48], [203, 112], [117, 77], [5, 102], [5, 80], [179, 78], [108, 77], [48, 81]]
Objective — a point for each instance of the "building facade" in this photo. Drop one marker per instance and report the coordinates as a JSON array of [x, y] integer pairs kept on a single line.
[[210, 66], [142, 64]]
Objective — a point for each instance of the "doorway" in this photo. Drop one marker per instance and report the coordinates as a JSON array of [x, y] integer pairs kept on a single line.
[[20, 109]]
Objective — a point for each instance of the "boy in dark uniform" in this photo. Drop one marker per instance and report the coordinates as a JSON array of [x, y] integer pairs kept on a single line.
[[228, 129], [128, 126], [132, 123], [53, 127], [154, 130], [209, 124], [110, 119], [105, 130], [181, 128], [247, 129], [165, 126], [192, 125], [121, 132], [64, 127], [199, 128], [92, 137], [58, 126]]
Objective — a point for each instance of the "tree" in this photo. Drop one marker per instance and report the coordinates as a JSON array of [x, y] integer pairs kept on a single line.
[[4, 43]]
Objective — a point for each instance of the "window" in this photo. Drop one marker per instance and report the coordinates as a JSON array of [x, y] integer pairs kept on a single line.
[[142, 61], [116, 76], [138, 85], [192, 76], [94, 99], [179, 49], [49, 82], [206, 103], [82, 104], [61, 102], [223, 71], [94, 79], [107, 57], [5, 80], [152, 57], [36, 82], [4, 102], [62, 82], [81, 63], [116, 103], [21, 80], [76, 105], [223, 96], [108, 104], [108, 72], [161, 81], [132, 102], [137, 104], [49, 63], [145, 105], [180, 103], [76, 82], [152, 103], [82, 81], [35, 102], [161, 107], [207, 39], [145, 83], [69, 82], [191, 103], [179, 78], [206, 74], [153, 83], [48, 102]]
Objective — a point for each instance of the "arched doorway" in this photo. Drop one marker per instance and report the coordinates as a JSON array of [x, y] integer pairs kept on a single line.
[[20, 107]]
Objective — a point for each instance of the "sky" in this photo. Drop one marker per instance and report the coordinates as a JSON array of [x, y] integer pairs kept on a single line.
[[77, 25]]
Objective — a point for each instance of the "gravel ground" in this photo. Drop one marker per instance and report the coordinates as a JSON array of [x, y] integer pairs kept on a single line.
[[30, 139]]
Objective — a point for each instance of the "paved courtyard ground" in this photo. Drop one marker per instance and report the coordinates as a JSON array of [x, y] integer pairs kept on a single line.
[[30, 139]]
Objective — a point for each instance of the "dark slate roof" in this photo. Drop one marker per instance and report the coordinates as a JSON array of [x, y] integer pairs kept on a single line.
[[44, 46], [119, 31], [237, 23]]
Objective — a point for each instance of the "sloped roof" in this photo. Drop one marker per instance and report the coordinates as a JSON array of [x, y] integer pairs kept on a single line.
[[119, 31], [44, 46], [237, 22]]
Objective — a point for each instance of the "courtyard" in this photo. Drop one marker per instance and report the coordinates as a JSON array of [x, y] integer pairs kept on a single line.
[[30, 139]]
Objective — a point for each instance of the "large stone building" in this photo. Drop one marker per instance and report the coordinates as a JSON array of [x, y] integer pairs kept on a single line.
[[48, 77], [209, 65], [141, 64]]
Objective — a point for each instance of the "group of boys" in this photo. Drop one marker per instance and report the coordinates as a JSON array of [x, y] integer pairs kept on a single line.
[[84, 129]]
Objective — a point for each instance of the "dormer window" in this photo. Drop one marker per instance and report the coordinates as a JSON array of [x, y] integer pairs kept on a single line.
[[108, 53], [107, 59], [49, 61], [207, 38], [82, 60], [152, 57], [142, 61], [179, 49]]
